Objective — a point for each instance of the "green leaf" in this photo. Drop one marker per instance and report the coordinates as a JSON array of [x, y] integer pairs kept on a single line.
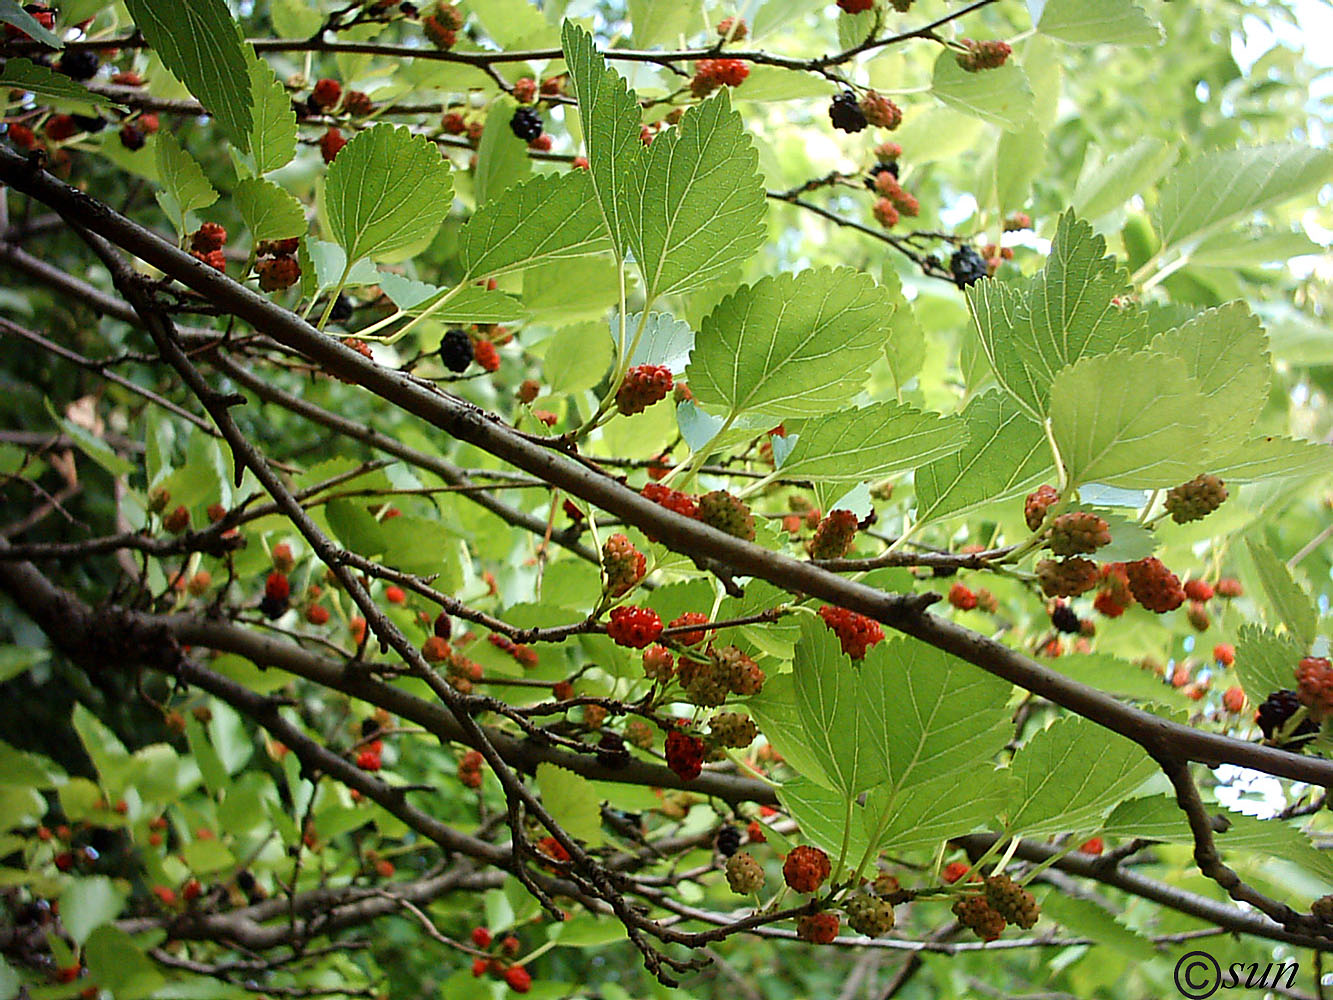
[[12, 13], [1226, 353], [270, 212], [609, 115], [1213, 188], [572, 802], [662, 22], [829, 696], [15, 660], [1266, 661], [1005, 455], [101, 745], [577, 358], [697, 200], [905, 346], [94, 447], [1000, 96], [24, 74], [294, 18], [1106, 185], [1129, 540], [547, 218], [387, 190], [201, 45], [821, 814], [273, 134], [1292, 605], [665, 341], [1095, 22], [924, 815], [1070, 774], [210, 765], [185, 188], [207, 856], [88, 903], [1118, 677], [1131, 420], [1272, 458], [790, 345], [1066, 314], [1262, 247], [929, 714], [117, 964], [502, 157], [1159, 818], [872, 442], [1086, 919], [778, 715]]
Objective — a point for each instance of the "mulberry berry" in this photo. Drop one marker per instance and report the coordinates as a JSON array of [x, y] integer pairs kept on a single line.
[[856, 633], [1228, 588], [643, 386], [880, 111], [733, 28], [846, 113], [1036, 505], [441, 28], [1198, 590], [869, 916], [728, 840], [456, 350], [208, 237], [976, 914], [962, 597], [1065, 619], [639, 733], [1322, 908], [81, 64], [983, 55], [1273, 716], [1314, 684], [1068, 577], [818, 928], [1195, 499], [689, 638], [834, 535], [634, 627], [1233, 699], [485, 354], [885, 213], [855, 6], [732, 729], [744, 874], [684, 755], [326, 94], [1077, 533], [673, 500], [1224, 653], [331, 144], [806, 868], [518, 979], [277, 273], [1012, 901], [967, 267], [526, 124], [879, 170], [623, 564], [658, 664], [1154, 586], [725, 512]]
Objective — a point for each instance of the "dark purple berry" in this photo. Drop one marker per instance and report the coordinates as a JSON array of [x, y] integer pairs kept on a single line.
[[967, 267], [272, 607], [880, 168], [79, 65], [1273, 714], [456, 350], [728, 840], [526, 124], [1064, 618], [846, 113]]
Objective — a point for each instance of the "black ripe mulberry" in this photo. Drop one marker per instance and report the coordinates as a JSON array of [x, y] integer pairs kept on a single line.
[[456, 350], [846, 114], [967, 267], [526, 124], [728, 840], [1273, 714]]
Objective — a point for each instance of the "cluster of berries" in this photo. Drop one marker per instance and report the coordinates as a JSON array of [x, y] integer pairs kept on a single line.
[[709, 74], [622, 564], [276, 264], [848, 113], [469, 769], [718, 509], [856, 633], [499, 964], [726, 670], [1273, 716], [206, 244], [443, 25], [369, 758], [894, 201], [1314, 684]]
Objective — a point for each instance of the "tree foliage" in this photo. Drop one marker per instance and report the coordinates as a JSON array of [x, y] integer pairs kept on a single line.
[[510, 497]]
